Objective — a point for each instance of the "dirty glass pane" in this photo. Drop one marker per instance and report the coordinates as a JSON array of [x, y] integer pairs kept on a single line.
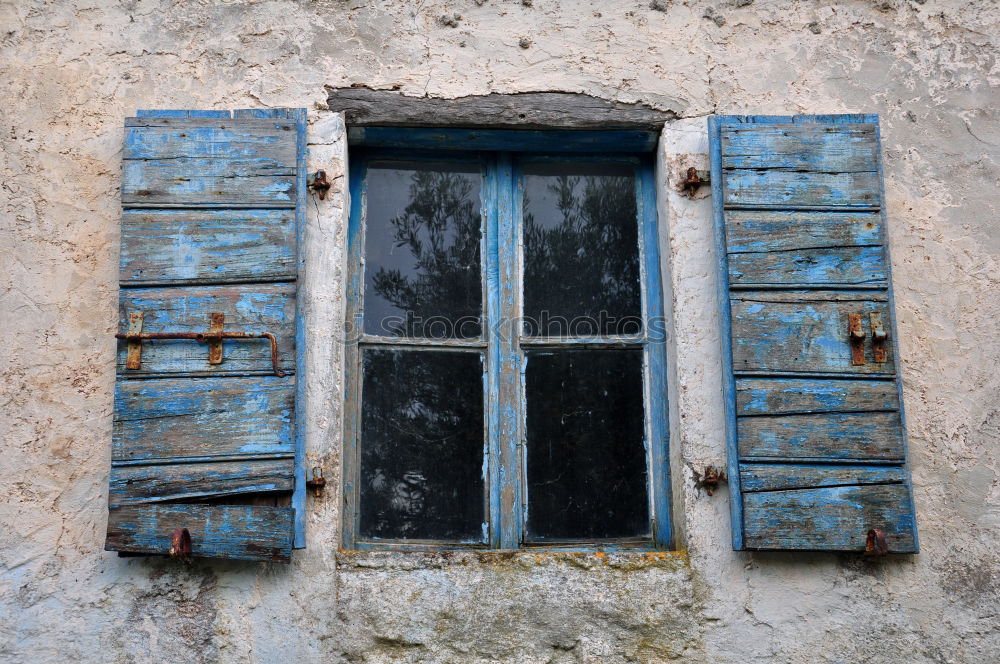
[[585, 455], [422, 230], [422, 445], [581, 250]]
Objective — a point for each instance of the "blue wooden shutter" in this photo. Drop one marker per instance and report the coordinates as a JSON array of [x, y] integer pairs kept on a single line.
[[211, 205], [816, 438]]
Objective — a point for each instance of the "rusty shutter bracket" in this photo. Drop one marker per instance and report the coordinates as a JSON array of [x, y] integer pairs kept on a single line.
[[693, 181], [879, 337], [213, 337], [857, 337], [317, 482], [709, 480], [180, 545], [318, 183], [875, 544]]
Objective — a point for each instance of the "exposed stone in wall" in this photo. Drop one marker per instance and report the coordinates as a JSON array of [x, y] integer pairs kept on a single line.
[[69, 73]]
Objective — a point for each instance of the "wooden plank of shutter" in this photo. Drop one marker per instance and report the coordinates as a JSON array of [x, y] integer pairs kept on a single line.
[[164, 247], [817, 445], [183, 419], [252, 308], [185, 162], [239, 532], [210, 225]]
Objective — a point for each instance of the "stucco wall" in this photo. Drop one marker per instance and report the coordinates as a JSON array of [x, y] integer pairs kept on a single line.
[[69, 73]]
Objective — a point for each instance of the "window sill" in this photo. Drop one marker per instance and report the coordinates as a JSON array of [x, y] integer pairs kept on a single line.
[[525, 559]]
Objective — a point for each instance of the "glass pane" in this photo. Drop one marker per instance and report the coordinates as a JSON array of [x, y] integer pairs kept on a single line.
[[422, 445], [581, 250], [585, 454], [422, 230]]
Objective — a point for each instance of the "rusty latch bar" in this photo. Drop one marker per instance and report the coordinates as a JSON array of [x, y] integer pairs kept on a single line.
[[879, 337], [213, 337], [857, 337]]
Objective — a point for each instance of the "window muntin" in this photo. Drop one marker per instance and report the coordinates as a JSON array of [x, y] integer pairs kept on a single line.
[[609, 350]]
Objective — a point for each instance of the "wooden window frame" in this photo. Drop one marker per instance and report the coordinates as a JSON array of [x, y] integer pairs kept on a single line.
[[500, 152]]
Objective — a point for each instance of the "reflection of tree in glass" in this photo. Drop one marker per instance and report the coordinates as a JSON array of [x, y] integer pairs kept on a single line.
[[422, 451], [587, 261], [441, 228]]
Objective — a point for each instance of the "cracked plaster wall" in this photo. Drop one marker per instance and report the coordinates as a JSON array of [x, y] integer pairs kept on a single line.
[[70, 71]]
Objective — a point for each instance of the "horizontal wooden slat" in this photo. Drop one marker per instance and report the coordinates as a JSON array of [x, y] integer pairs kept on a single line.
[[179, 113], [776, 230], [251, 308], [203, 161], [803, 331], [271, 140], [821, 248], [827, 435], [239, 532], [207, 245], [789, 189], [829, 519], [830, 148], [277, 113], [203, 417], [185, 481], [203, 182], [782, 476], [841, 266], [779, 396]]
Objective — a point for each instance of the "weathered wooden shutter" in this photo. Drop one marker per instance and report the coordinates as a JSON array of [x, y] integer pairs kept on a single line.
[[204, 430], [816, 438]]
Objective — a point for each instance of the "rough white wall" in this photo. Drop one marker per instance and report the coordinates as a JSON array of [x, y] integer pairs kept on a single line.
[[69, 73]]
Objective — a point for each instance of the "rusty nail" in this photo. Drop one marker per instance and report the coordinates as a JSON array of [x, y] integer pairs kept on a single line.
[[319, 184], [875, 544], [692, 182], [317, 482], [180, 545], [709, 479]]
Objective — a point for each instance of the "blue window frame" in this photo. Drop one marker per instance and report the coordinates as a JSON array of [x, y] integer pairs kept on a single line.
[[505, 361]]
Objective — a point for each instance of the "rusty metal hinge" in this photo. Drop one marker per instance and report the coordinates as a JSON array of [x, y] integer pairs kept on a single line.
[[213, 337]]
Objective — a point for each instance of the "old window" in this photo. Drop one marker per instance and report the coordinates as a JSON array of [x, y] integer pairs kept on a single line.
[[505, 366]]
